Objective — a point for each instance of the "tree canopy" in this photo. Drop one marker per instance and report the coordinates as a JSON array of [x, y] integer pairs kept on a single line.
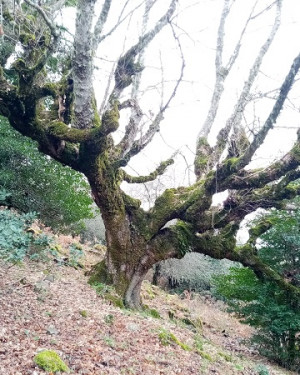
[[48, 93]]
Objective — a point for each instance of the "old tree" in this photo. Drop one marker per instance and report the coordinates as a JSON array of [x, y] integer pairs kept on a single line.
[[48, 93]]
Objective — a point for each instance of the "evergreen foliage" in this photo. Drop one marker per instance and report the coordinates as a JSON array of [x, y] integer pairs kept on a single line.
[[16, 242], [32, 181], [263, 304], [281, 244]]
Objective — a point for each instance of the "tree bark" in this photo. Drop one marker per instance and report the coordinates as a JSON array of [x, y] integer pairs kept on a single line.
[[127, 259]]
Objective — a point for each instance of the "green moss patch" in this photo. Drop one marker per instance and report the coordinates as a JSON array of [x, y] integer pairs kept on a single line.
[[168, 338], [49, 360]]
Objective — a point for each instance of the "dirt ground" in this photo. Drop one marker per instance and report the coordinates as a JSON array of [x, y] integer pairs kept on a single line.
[[51, 306]]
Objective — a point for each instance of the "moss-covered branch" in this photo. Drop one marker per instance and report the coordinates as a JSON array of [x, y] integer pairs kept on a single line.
[[49, 23], [181, 203], [172, 242], [203, 160], [110, 118], [126, 66], [230, 176], [61, 131], [242, 178], [151, 177], [183, 237], [247, 255], [8, 96], [240, 203]]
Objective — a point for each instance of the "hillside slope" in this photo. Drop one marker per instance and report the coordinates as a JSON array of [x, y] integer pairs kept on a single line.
[[50, 306]]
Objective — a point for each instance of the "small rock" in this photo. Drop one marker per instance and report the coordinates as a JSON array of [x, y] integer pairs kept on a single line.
[[51, 330], [41, 286], [133, 327], [50, 278]]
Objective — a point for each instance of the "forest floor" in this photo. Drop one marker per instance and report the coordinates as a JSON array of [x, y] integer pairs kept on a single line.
[[47, 305]]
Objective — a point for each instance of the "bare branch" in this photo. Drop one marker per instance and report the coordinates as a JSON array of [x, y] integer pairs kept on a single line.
[[154, 127], [100, 23], [235, 119], [132, 127], [205, 155], [145, 139], [237, 48], [126, 66], [271, 120], [49, 23], [120, 20], [222, 71]]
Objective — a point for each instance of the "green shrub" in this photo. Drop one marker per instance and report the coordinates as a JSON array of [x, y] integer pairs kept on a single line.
[[4, 197], [35, 182], [16, 242], [265, 306], [262, 370], [76, 254], [281, 244]]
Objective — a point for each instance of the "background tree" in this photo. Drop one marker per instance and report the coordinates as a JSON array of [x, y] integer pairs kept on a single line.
[[34, 182], [263, 305], [55, 104], [280, 246]]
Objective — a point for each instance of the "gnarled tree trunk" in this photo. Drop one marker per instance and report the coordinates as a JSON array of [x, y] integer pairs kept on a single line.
[[60, 112]]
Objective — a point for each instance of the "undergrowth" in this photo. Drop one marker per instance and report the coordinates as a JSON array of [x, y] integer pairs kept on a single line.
[[17, 241]]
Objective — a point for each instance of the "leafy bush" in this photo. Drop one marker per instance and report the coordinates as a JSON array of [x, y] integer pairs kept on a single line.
[[76, 254], [265, 306], [35, 182], [4, 196], [280, 246], [16, 242], [262, 370]]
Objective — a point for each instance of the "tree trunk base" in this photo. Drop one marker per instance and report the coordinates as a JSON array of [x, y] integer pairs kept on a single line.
[[129, 289], [99, 274]]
